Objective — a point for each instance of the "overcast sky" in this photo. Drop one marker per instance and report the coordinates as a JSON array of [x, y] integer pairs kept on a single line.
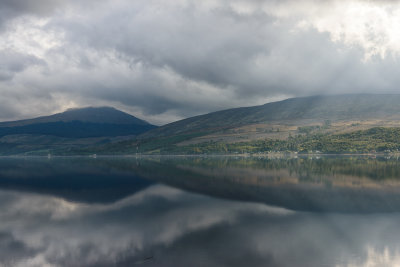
[[163, 60]]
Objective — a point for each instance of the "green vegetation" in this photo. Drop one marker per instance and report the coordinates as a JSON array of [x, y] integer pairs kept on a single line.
[[312, 128], [308, 129], [377, 139], [374, 140], [149, 146]]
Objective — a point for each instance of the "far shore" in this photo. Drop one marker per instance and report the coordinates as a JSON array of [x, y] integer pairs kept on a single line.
[[243, 155]]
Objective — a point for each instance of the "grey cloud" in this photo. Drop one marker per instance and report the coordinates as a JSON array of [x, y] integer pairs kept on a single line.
[[13, 62], [215, 47], [254, 55], [38, 7], [4, 75], [10, 9], [184, 58], [13, 250], [8, 105]]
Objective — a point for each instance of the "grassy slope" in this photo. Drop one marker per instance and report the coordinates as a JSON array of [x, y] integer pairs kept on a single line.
[[291, 111], [377, 139]]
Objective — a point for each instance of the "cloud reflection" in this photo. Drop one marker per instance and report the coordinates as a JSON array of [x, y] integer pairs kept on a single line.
[[163, 226]]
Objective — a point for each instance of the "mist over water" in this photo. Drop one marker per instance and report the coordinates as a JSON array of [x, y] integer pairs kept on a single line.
[[211, 211]]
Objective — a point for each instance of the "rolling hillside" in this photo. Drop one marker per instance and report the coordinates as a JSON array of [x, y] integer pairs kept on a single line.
[[328, 124], [294, 111]]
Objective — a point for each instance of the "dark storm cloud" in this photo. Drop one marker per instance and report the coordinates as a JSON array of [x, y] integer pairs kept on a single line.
[[40, 7], [169, 60], [10, 9], [13, 250]]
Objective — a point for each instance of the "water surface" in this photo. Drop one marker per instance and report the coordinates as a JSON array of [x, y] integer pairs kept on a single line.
[[200, 211]]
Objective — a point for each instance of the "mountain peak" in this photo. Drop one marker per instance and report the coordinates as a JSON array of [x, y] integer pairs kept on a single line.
[[108, 115], [90, 108], [79, 123], [97, 115]]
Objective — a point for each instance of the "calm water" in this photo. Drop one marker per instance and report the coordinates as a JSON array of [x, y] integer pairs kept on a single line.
[[199, 212]]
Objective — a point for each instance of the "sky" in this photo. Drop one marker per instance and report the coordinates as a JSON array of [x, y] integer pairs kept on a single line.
[[164, 60]]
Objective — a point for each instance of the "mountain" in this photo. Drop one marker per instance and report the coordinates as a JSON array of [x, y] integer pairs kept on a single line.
[[79, 123], [332, 124], [354, 123], [293, 111], [88, 114]]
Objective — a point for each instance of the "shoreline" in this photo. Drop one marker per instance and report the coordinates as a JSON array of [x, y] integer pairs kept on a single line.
[[243, 155]]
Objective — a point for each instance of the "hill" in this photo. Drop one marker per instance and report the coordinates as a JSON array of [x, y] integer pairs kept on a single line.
[[79, 123], [294, 111], [330, 124], [335, 114], [70, 130], [88, 114]]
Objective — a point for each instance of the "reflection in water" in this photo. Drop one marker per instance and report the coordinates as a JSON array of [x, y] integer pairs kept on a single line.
[[74, 179], [306, 184], [59, 212]]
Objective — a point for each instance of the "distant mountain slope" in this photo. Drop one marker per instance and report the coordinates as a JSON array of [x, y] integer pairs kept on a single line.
[[89, 114], [79, 123], [315, 108]]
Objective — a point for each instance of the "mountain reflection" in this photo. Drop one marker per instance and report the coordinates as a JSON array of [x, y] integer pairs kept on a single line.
[[179, 212], [331, 184], [78, 179]]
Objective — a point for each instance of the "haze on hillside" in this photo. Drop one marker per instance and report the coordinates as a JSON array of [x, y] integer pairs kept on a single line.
[[162, 61], [343, 110]]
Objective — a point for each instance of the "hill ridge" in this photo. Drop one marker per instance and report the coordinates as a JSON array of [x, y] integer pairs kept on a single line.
[[318, 108]]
